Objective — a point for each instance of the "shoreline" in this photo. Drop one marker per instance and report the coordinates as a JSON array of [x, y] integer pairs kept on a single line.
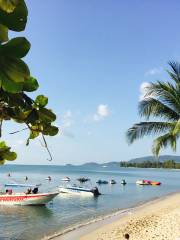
[[78, 231]]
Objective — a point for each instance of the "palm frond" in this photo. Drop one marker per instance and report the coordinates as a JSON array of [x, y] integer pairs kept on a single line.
[[176, 130], [175, 73], [153, 107], [166, 93], [163, 141], [142, 129]]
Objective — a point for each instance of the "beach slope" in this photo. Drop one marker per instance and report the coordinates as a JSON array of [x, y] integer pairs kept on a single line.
[[158, 220]]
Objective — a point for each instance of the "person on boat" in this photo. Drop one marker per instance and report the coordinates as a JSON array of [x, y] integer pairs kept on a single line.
[[35, 190], [126, 236], [9, 191], [49, 178], [29, 191]]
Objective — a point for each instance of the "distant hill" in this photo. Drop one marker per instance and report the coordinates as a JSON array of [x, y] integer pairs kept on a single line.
[[114, 165], [153, 159]]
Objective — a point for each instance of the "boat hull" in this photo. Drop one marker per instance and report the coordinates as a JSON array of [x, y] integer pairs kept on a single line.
[[27, 199], [76, 191]]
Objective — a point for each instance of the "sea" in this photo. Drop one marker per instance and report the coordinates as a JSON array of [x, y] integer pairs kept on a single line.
[[66, 211]]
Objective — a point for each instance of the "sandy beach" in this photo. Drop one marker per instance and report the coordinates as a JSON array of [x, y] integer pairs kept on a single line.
[[158, 219]]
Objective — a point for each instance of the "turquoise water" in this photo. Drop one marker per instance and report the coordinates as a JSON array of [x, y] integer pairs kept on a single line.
[[32, 223]]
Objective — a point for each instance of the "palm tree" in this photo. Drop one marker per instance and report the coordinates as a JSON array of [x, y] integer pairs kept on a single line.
[[161, 101]]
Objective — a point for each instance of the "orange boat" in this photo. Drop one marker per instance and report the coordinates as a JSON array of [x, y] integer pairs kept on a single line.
[[154, 183]]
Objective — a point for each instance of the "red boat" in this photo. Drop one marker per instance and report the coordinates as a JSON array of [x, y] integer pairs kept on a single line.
[[152, 182]]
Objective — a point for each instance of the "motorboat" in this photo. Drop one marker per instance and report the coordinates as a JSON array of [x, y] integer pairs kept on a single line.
[[112, 181], [30, 197], [66, 179], [78, 190], [102, 181], [123, 182], [83, 179], [26, 199], [142, 182]]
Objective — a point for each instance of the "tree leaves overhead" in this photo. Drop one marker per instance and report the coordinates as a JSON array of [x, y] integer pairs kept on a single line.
[[162, 101], [41, 100], [5, 153], [16, 81], [8, 5], [17, 18], [13, 71], [3, 33]]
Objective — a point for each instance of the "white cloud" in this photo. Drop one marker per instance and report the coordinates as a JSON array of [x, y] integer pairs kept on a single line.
[[101, 113], [153, 71], [143, 90], [66, 123]]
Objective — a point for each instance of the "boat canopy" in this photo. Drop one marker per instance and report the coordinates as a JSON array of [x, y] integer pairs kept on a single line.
[[21, 185]]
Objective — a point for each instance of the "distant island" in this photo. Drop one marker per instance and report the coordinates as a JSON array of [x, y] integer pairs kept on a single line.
[[164, 161]]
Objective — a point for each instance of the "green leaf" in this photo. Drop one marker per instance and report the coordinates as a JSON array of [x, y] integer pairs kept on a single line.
[[16, 47], [2, 145], [50, 130], [30, 85], [41, 100], [33, 134], [15, 69], [10, 156], [47, 115], [17, 19], [8, 5], [5, 153], [32, 117], [3, 33], [9, 85]]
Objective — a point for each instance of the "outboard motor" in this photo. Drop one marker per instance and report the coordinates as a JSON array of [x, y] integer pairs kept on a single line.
[[96, 192]]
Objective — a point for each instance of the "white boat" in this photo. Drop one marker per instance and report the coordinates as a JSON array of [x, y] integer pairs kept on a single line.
[[66, 179], [79, 190], [26, 199], [142, 182], [112, 181]]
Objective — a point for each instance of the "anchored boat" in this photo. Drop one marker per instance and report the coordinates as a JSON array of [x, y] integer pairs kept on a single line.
[[77, 190], [31, 197], [102, 181], [148, 182], [26, 199], [66, 179]]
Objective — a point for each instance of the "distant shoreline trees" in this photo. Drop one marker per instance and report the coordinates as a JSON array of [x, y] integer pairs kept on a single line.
[[171, 164]]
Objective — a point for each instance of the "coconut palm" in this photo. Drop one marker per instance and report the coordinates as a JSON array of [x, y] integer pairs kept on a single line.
[[161, 101]]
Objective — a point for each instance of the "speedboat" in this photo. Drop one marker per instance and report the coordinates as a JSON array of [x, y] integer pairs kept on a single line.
[[77, 190], [112, 181], [102, 181], [26, 199], [30, 197], [66, 179]]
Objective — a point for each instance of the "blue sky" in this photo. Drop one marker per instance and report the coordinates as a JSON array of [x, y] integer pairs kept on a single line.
[[91, 58]]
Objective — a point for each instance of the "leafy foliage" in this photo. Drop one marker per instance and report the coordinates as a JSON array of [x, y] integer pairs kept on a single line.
[[162, 101], [16, 81]]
